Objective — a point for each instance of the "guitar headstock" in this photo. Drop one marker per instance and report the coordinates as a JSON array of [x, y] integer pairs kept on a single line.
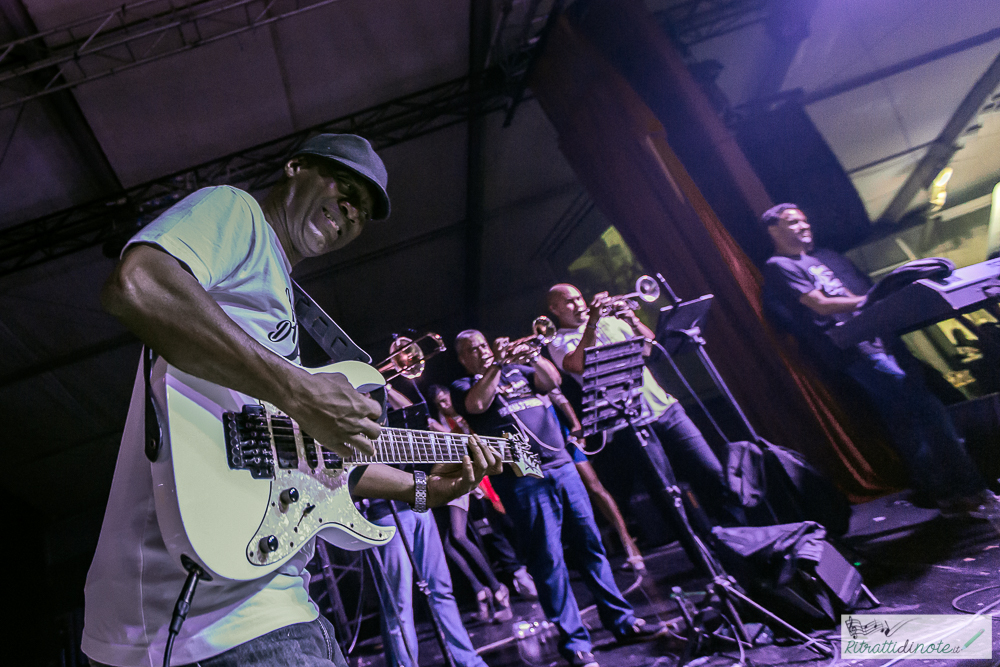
[[522, 460]]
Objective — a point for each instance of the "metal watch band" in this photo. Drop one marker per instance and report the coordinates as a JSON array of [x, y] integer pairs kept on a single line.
[[419, 491]]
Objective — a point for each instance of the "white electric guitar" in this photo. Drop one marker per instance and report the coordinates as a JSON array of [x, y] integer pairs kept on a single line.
[[239, 489]]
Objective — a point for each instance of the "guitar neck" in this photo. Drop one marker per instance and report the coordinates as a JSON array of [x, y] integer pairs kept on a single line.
[[397, 445]]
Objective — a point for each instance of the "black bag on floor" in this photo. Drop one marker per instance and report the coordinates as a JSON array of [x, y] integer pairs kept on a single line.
[[791, 570], [776, 485]]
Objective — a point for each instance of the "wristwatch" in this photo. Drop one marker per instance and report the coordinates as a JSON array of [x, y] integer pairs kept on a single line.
[[419, 491]]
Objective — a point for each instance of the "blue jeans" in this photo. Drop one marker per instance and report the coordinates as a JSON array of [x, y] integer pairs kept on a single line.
[[919, 426], [546, 511], [301, 644], [398, 630]]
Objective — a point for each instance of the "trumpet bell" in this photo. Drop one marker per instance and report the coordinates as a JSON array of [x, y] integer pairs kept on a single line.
[[544, 329], [523, 350], [647, 289], [409, 357]]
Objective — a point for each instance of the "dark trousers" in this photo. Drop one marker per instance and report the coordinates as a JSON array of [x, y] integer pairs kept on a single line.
[[304, 644], [674, 451], [696, 464], [919, 426]]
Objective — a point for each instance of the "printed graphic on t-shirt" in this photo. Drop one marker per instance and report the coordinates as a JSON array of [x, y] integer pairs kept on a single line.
[[523, 404], [286, 328], [824, 280], [514, 385]]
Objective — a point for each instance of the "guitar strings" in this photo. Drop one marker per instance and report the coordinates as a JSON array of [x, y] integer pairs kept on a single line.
[[404, 446], [392, 445]]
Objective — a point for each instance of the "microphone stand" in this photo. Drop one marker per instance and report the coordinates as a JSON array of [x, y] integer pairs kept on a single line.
[[679, 328]]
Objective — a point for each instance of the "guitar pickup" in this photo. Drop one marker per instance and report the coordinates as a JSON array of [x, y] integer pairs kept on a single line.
[[330, 460], [284, 442]]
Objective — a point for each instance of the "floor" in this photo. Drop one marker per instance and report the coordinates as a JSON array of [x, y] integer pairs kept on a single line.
[[912, 559]]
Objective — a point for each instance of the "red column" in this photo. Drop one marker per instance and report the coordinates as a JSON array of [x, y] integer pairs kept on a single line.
[[619, 150]]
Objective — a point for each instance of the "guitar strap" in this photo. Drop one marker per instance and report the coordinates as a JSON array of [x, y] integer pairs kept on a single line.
[[154, 433], [524, 427], [331, 338], [327, 334]]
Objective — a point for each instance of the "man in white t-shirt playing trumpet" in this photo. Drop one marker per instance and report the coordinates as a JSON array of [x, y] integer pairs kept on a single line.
[[684, 449]]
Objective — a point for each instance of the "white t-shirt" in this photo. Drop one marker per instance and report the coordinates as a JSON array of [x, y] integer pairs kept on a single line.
[[610, 330], [220, 234]]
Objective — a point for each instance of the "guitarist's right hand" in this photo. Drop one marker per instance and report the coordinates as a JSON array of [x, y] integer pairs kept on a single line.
[[333, 412]]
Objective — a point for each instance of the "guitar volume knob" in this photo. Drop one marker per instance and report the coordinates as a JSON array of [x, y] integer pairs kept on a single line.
[[268, 544], [290, 495]]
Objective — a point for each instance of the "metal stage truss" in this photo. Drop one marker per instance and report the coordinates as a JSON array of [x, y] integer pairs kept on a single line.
[[690, 22], [130, 35], [140, 32], [64, 232], [336, 569]]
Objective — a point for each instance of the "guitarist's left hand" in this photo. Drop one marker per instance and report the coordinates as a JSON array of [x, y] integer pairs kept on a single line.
[[447, 481]]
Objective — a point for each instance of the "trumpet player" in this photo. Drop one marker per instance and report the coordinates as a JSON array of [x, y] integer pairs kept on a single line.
[[684, 449], [497, 397]]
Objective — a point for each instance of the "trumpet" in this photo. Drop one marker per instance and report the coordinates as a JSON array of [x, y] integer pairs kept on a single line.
[[523, 350], [407, 357], [646, 289]]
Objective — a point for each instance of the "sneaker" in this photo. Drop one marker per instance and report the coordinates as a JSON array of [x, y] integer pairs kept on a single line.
[[524, 585], [583, 659], [637, 631], [634, 564], [502, 611], [485, 610]]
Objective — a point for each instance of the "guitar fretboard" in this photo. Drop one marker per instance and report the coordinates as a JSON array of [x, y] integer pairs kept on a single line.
[[263, 442], [396, 445], [393, 445]]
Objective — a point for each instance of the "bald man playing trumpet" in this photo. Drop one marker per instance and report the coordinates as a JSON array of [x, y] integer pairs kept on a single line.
[[683, 448]]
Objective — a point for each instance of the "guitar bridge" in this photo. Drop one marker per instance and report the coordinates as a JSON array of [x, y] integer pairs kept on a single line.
[[249, 438], [248, 441]]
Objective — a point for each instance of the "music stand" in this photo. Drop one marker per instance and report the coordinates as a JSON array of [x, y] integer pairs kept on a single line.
[[678, 330], [612, 384], [675, 324]]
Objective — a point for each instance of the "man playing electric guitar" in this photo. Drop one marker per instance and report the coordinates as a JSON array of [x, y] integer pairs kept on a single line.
[[207, 287]]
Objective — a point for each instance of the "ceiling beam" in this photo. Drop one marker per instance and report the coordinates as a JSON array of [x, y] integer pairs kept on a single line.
[[128, 36], [63, 105], [694, 21], [115, 219], [900, 67], [868, 78], [941, 150], [475, 170]]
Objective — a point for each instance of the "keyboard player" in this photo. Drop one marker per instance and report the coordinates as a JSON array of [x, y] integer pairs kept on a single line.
[[807, 297]]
